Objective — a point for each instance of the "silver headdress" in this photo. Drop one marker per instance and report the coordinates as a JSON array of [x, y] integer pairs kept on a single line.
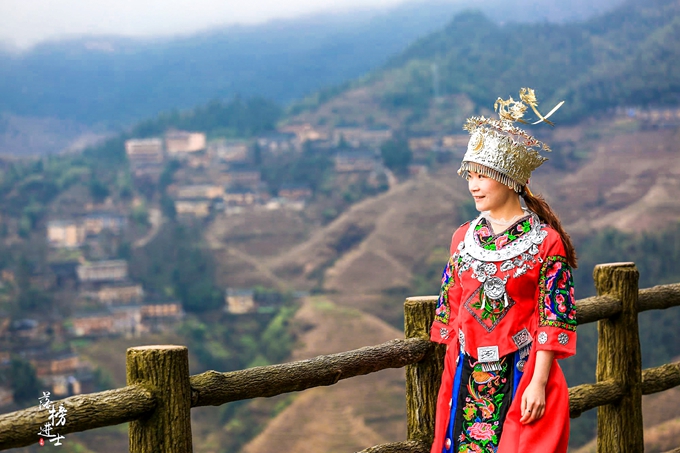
[[501, 150]]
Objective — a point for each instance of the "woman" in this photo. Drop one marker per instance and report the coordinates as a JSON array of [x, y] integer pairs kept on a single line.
[[506, 306]]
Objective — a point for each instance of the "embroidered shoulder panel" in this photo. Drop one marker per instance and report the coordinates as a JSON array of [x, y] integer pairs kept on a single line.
[[556, 296], [443, 311], [509, 249], [490, 241]]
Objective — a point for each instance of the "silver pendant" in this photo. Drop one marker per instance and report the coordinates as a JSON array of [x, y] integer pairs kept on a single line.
[[494, 288]]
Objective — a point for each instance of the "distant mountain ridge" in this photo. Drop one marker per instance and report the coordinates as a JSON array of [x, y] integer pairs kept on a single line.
[[628, 56], [122, 80]]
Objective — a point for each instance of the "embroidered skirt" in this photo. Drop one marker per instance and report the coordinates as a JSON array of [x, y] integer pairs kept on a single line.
[[483, 408], [480, 400]]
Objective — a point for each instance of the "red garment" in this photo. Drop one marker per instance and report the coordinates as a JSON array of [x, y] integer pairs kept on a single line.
[[500, 293]]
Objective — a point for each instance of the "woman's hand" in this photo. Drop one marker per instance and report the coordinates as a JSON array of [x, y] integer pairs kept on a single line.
[[533, 402], [533, 398]]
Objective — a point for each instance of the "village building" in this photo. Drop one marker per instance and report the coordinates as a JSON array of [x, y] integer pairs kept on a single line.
[[92, 325], [123, 293], [305, 132], [357, 137], [295, 192], [158, 317], [63, 374], [207, 191], [278, 142], [65, 233], [102, 271], [244, 176], [198, 208], [239, 301], [147, 150], [63, 385], [96, 222], [655, 117], [127, 320], [229, 150], [145, 156], [422, 143], [28, 329], [198, 161], [49, 364], [240, 196], [123, 320], [355, 161], [178, 143]]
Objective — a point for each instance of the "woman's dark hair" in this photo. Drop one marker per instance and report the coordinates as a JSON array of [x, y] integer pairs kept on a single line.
[[537, 204]]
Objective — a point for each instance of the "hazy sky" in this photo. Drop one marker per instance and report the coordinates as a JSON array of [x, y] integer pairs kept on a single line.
[[26, 22]]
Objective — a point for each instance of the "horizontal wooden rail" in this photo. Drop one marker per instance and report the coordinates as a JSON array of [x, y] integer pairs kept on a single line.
[[659, 379], [591, 309], [213, 389], [94, 410], [589, 396], [659, 297]]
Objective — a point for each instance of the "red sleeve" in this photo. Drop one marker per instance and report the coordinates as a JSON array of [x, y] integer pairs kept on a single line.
[[556, 309], [443, 328]]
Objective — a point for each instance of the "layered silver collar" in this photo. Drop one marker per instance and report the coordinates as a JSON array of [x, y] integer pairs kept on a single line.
[[526, 243]]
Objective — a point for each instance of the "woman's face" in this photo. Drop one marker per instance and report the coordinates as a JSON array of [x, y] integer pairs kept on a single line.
[[489, 194]]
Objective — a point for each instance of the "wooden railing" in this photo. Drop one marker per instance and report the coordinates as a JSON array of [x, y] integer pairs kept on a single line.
[[160, 391]]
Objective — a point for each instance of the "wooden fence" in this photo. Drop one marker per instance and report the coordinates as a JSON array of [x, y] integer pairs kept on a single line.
[[160, 392]]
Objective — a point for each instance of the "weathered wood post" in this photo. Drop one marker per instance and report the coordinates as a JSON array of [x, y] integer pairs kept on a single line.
[[423, 378], [164, 370], [619, 426]]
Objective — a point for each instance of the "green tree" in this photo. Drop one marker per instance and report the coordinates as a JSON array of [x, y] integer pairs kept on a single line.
[[396, 155], [98, 190], [25, 384]]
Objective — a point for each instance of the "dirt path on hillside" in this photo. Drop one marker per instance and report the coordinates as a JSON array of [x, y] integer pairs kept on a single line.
[[156, 219]]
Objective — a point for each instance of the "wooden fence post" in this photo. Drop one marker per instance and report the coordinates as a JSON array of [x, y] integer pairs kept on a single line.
[[422, 378], [164, 370], [619, 426]]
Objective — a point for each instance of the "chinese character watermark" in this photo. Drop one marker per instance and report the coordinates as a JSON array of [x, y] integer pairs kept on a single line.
[[57, 417]]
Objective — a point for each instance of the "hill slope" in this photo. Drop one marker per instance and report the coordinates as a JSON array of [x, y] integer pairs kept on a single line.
[[625, 57], [351, 415]]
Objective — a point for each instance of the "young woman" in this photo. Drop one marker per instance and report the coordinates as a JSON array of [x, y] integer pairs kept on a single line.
[[506, 306]]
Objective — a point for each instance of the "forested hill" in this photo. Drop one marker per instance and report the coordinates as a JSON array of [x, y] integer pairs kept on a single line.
[[122, 80], [628, 56]]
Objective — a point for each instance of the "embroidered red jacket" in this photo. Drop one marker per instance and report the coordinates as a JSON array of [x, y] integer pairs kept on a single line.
[[502, 292]]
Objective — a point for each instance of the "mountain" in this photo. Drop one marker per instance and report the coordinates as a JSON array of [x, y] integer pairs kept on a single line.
[[115, 80], [628, 56]]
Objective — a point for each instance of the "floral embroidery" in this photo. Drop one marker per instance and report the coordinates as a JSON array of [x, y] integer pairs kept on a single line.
[[443, 311], [483, 411], [491, 242], [556, 296], [487, 312]]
